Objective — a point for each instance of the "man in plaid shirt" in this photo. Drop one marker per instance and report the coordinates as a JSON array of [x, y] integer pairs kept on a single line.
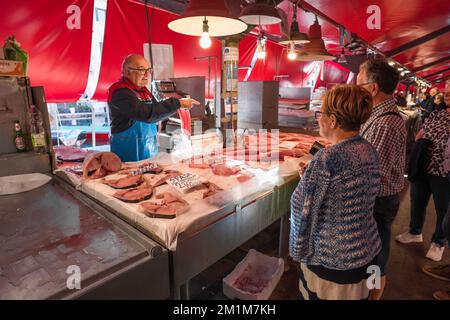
[[386, 131]]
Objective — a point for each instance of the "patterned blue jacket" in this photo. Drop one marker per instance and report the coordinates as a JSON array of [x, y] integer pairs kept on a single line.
[[332, 223]]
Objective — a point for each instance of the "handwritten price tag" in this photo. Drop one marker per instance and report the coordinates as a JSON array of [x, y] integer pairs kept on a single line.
[[185, 182]]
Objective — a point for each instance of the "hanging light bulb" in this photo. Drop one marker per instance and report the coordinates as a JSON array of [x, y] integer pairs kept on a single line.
[[261, 48], [342, 59], [205, 40], [292, 54]]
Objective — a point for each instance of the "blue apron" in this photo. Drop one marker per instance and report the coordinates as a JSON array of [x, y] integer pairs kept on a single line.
[[136, 143]]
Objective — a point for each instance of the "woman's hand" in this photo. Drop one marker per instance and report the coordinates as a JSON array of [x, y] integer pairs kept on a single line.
[[302, 166]]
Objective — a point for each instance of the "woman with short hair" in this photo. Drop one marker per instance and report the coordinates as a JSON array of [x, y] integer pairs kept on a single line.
[[333, 234]]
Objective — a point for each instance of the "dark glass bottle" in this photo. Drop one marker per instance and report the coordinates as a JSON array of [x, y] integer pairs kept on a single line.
[[19, 137]]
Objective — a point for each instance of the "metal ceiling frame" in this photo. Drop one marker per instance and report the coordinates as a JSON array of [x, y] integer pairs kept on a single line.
[[417, 42], [440, 79], [428, 65], [173, 6], [178, 6], [436, 73], [309, 8]]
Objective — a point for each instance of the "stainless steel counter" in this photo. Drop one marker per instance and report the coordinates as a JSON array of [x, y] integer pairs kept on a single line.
[[46, 230]]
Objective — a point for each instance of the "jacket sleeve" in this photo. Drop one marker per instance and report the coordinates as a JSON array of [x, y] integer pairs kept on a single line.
[[126, 103], [306, 202]]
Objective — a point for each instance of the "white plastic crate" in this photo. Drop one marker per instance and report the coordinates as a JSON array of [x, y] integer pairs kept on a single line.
[[254, 278]]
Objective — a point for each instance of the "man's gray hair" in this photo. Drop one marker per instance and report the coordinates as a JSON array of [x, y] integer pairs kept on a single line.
[[126, 63], [379, 71]]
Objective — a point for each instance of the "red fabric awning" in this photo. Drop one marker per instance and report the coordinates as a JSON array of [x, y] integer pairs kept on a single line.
[[402, 21], [58, 56]]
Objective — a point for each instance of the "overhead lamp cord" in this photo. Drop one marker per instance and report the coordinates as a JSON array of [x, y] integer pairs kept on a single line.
[[149, 42]]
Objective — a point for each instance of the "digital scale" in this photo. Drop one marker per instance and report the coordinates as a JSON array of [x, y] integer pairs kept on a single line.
[[164, 89]]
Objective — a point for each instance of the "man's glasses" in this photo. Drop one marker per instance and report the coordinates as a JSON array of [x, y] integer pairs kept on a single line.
[[364, 84], [141, 71]]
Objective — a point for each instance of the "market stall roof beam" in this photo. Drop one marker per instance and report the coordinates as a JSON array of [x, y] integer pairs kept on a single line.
[[174, 6], [418, 41], [426, 66], [435, 73], [440, 79]]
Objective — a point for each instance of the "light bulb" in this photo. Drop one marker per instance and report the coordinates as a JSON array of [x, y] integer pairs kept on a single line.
[[292, 54], [261, 51], [261, 54], [205, 40]]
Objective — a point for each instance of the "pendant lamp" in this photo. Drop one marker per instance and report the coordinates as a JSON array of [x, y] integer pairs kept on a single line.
[[315, 50], [218, 19], [260, 14], [295, 36]]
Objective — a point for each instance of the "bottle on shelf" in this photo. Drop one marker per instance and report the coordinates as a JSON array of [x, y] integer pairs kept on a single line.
[[19, 137], [37, 131]]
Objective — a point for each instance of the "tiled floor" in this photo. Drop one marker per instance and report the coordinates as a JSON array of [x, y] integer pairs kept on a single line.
[[405, 279]]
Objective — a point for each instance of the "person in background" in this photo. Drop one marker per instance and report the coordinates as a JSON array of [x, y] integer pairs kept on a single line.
[[401, 100], [439, 103], [386, 131], [429, 104], [442, 271], [333, 233], [423, 106], [424, 98], [134, 113], [437, 183]]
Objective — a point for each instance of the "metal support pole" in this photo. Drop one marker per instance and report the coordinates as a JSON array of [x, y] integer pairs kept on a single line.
[[283, 244], [185, 291]]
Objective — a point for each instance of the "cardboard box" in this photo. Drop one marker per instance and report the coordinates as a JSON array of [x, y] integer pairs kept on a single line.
[[10, 68], [258, 272]]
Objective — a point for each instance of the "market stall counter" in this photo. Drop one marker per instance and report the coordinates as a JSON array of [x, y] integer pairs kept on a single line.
[[242, 203], [55, 242]]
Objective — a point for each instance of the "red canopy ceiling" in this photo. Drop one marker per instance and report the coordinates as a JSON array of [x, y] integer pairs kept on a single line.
[[402, 21], [58, 56]]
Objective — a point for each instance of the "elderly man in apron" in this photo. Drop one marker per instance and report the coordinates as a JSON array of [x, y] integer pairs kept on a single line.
[[135, 114]]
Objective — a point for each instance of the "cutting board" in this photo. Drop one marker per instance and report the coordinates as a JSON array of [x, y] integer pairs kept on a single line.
[[22, 183]]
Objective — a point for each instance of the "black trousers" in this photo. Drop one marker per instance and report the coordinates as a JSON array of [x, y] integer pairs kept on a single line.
[[384, 212]]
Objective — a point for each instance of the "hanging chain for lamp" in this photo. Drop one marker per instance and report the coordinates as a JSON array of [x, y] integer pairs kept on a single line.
[[294, 20], [150, 52], [205, 40]]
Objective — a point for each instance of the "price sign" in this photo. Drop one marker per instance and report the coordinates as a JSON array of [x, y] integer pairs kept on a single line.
[[185, 182]]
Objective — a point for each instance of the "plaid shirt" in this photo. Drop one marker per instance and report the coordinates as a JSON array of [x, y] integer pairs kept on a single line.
[[388, 135]]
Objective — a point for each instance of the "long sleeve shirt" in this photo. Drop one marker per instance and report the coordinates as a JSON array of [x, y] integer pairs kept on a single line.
[[332, 223], [437, 129], [128, 103], [388, 135]]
